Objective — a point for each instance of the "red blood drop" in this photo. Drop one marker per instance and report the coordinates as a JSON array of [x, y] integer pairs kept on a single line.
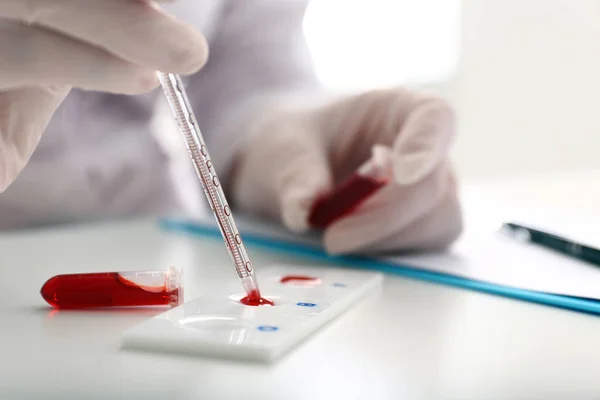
[[254, 299], [301, 280], [344, 199]]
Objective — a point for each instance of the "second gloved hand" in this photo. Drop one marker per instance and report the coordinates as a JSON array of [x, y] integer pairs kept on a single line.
[[293, 155], [48, 47]]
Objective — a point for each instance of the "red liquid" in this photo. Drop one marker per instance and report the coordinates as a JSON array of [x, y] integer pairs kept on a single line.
[[254, 299], [103, 290], [300, 280], [344, 199]]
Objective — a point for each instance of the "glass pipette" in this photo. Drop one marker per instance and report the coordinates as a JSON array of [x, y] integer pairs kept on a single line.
[[188, 126]]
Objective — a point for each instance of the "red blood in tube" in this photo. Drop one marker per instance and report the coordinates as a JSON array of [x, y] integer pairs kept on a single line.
[[344, 199], [254, 299], [107, 289]]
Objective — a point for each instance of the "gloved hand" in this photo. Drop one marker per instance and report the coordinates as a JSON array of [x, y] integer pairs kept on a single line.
[[47, 47], [294, 155]]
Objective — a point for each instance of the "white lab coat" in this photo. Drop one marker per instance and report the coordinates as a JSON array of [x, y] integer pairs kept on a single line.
[[107, 155]]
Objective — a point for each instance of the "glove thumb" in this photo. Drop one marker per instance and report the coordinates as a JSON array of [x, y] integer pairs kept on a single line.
[[304, 176]]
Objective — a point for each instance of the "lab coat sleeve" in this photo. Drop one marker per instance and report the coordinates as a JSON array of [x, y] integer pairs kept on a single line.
[[258, 56]]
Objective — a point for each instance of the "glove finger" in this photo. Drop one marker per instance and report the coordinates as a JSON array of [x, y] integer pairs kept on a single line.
[[42, 57], [304, 178], [425, 140], [281, 174], [355, 124], [436, 229], [391, 210], [139, 32], [25, 115]]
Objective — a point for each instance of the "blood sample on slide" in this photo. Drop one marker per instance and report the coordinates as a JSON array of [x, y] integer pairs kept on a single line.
[[255, 299], [115, 289]]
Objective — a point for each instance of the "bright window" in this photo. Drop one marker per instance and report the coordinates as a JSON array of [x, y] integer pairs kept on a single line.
[[358, 44]]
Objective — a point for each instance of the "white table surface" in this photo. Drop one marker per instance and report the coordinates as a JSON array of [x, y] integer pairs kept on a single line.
[[416, 340]]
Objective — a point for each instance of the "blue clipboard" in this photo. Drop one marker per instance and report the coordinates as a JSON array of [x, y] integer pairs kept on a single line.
[[580, 304]]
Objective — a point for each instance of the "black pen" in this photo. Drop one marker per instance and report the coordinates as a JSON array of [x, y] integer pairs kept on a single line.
[[554, 242]]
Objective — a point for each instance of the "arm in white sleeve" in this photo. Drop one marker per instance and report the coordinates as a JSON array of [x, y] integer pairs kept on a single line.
[[257, 57], [277, 156]]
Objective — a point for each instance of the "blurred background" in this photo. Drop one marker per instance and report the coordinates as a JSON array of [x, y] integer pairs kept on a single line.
[[523, 74]]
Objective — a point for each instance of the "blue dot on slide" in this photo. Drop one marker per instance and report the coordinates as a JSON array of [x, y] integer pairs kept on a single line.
[[306, 304], [267, 328]]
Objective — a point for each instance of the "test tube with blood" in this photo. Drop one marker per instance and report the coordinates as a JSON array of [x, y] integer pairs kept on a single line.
[[114, 289], [353, 191]]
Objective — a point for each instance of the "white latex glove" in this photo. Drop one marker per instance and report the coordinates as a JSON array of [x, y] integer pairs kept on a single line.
[[294, 155], [49, 46]]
